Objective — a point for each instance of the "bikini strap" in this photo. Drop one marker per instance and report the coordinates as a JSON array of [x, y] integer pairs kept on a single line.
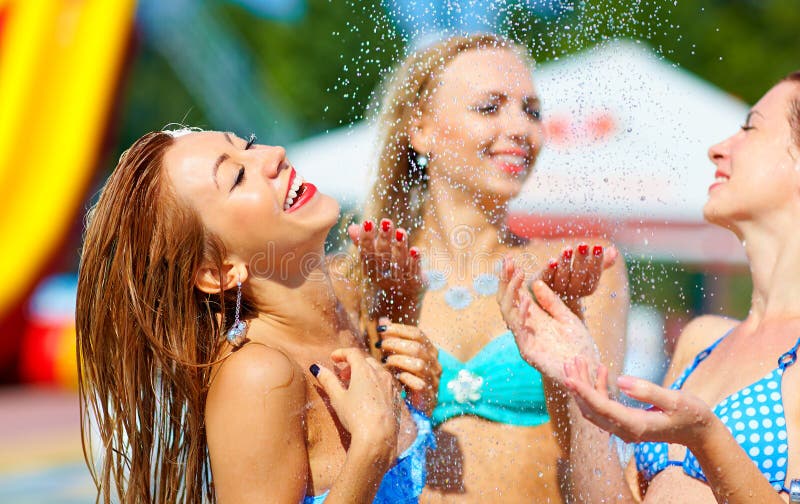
[[698, 359], [788, 358]]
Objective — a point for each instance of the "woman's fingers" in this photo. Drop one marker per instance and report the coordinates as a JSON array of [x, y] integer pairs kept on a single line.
[[366, 246], [563, 271], [551, 303], [642, 390], [400, 259], [582, 279], [383, 246], [401, 362], [413, 382], [329, 382]]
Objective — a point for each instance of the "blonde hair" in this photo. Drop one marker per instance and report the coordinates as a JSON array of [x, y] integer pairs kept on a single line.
[[400, 187]]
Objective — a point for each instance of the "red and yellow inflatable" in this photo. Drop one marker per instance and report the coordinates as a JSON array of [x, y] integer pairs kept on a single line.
[[59, 64]]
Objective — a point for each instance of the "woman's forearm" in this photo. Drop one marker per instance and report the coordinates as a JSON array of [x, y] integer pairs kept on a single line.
[[363, 471], [596, 474]]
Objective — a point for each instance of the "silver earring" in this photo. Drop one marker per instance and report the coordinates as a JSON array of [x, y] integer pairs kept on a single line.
[[421, 160], [235, 334]]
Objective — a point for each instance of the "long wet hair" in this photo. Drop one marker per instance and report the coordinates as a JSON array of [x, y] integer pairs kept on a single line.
[[400, 188], [146, 337]]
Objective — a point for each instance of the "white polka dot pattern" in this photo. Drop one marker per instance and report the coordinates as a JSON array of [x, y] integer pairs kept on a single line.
[[753, 415]]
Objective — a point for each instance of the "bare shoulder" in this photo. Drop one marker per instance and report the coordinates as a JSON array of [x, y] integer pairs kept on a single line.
[[701, 332], [257, 369], [255, 412], [698, 334]]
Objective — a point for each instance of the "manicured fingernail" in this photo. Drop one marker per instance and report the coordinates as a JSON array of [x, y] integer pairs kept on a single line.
[[413, 252], [314, 369], [383, 359], [583, 249], [399, 235], [553, 264], [597, 250], [378, 343], [381, 328], [625, 382], [567, 253], [368, 225], [385, 225]]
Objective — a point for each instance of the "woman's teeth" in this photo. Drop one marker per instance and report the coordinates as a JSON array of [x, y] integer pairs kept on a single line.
[[293, 191], [511, 159], [720, 179]]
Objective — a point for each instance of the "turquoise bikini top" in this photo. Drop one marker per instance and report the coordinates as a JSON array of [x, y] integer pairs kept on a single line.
[[403, 483], [495, 384]]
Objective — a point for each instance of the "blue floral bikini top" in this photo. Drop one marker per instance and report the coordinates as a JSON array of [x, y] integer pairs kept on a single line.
[[402, 483], [495, 384], [753, 415]]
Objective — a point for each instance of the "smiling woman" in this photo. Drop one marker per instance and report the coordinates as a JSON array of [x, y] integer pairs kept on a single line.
[[461, 133], [725, 424], [216, 360]]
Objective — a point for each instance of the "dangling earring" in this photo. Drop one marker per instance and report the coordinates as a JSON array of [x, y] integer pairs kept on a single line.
[[421, 161], [235, 334]]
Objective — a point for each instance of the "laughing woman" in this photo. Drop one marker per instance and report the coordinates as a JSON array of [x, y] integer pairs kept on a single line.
[[215, 361], [726, 424], [462, 130]]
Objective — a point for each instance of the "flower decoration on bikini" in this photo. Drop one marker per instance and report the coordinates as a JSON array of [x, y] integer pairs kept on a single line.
[[235, 334], [466, 387]]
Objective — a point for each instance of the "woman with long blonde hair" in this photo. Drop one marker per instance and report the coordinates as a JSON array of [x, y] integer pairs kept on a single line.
[[461, 130]]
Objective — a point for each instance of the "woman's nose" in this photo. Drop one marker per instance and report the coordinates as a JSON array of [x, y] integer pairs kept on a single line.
[[718, 151], [271, 157]]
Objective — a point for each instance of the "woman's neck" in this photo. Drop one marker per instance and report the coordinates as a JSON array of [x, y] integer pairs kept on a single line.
[[456, 228], [774, 256], [302, 305]]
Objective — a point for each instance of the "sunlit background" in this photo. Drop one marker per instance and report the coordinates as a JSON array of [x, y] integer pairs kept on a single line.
[[634, 92]]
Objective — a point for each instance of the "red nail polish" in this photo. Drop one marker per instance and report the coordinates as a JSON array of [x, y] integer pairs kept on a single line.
[[385, 224], [399, 235], [597, 250], [368, 225], [413, 252], [553, 264], [583, 249], [568, 253]]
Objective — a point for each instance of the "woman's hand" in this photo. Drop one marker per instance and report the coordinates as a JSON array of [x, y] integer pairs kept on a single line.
[[547, 334], [675, 416], [576, 274], [369, 405], [392, 269], [414, 359]]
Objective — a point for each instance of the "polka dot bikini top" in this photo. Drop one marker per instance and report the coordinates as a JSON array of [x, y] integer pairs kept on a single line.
[[753, 415]]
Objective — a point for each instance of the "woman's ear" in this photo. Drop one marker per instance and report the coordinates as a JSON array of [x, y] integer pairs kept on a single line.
[[209, 278], [420, 134]]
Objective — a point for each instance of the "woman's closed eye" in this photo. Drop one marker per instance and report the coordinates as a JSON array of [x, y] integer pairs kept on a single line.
[[239, 178], [534, 113], [240, 174], [486, 109]]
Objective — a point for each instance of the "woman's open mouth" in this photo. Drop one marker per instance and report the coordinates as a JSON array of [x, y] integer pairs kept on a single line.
[[298, 192]]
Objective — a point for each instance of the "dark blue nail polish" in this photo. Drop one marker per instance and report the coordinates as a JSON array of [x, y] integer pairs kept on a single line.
[[378, 344], [381, 328], [383, 359], [314, 369]]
